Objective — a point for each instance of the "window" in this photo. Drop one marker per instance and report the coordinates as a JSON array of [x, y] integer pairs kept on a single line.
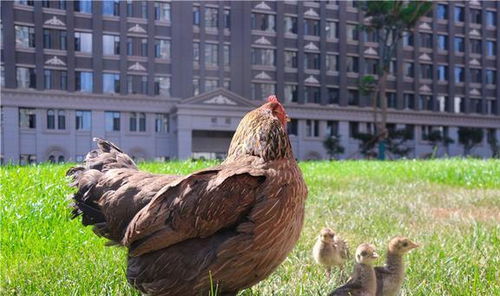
[[426, 40], [475, 106], [425, 71], [264, 22], [442, 73], [144, 47], [110, 45], [352, 97], [371, 37], [83, 42], [226, 56], [352, 32], [442, 102], [459, 105], [27, 118], [425, 103], [26, 77], [332, 128], [47, 79], [211, 18], [137, 122], [491, 77], [311, 27], [352, 64], [111, 83], [144, 9], [162, 86], [51, 119], [312, 94], [25, 159], [25, 2], [333, 95], [112, 121], [408, 70], [211, 84], [2, 76], [293, 127], [291, 94], [490, 106], [491, 18], [311, 61], [442, 42], [459, 44], [312, 128], [63, 81], [332, 31], [442, 12], [353, 128], [196, 16], [332, 62], [263, 90], [262, 56], [130, 8], [111, 7], [475, 16], [83, 120], [84, 81], [196, 86], [409, 101], [290, 24], [162, 49], [63, 40], [47, 39], [25, 37], [196, 54], [227, 19], [211, 55], [407, 39], [290, 59], [491, 48], [475, 46], [130, 46], [459, 74], [161, 123], [371, 66], [475, 75], [61, 119], [144, 85], [83, 6], [162, 11], [391, 100], [459, 14]]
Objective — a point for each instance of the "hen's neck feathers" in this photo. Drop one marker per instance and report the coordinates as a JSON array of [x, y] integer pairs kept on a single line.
[[262, 135]]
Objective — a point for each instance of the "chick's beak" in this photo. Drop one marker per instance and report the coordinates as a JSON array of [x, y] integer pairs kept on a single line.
[[374, 255], [414, 245]]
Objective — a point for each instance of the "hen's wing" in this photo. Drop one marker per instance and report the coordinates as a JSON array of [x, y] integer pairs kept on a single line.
[[198, 205], [110, 190]]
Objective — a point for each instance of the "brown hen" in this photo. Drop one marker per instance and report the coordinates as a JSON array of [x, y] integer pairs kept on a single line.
[[230, 225]]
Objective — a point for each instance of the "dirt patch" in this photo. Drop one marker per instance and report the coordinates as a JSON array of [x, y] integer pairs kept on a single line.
[[478, 214]]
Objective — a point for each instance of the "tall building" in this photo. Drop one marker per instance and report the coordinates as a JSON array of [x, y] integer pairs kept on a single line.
[[170, 80]]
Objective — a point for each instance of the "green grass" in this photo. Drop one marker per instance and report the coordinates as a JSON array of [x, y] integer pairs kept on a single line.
[[451, 207]]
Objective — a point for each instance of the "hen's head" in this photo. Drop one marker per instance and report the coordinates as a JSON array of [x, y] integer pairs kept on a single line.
[[262, 132]]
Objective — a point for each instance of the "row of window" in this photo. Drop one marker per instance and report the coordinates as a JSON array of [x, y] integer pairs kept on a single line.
[[475, 45], [475, 15], [56, 119], [58, 39], [211, 18], [84, 81], [211, 54], [162, 10]]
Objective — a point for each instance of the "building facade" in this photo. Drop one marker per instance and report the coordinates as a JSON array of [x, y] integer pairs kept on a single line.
[[167, 80]]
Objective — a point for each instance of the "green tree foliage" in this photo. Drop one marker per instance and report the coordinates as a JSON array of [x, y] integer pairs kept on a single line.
[[469, 137], [333, 146]]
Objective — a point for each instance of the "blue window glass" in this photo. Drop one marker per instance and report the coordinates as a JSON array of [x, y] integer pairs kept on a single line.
[[84, 81], [84, 6], [442, 11]]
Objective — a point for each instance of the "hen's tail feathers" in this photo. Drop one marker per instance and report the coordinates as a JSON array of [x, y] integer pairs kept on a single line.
[[85, 178]]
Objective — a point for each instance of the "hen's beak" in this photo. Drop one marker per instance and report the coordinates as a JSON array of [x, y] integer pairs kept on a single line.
[[287, 118]]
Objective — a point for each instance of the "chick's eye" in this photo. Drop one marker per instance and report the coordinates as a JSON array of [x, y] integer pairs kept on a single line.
[[405, 244], [363, 253]]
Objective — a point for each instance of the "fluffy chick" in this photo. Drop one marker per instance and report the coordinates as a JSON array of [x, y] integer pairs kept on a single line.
[[330, 250], [363, 281], [390, 277]]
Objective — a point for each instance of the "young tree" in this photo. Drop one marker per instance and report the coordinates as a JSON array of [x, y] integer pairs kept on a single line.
[[437, 138], [389, 20], [396, 142], [469, 137], [332, 146]]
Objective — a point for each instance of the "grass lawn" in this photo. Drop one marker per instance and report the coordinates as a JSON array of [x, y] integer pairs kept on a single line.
[[451, 207]]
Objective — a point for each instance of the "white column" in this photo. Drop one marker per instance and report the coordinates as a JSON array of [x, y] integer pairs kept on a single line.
[[184, 137], [344, 138], [10, 135]]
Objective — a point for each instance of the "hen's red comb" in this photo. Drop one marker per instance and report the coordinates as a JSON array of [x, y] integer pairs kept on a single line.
[[273, 98]]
